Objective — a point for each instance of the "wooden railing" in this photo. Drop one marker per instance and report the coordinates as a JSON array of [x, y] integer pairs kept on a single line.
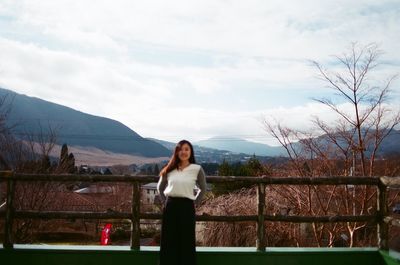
[[381, 218]]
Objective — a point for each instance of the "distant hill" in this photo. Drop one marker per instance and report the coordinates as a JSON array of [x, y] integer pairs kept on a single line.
[[389, 146], [77, 128], [169, 145], [80, 129], [238, 145], [212, 155]]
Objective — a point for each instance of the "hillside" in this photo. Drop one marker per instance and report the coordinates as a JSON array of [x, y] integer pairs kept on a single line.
[[31, 115], [211, 155], [389, 146], [238, 145]]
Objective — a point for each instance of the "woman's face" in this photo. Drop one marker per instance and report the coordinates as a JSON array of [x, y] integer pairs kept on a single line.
[[184, 153]]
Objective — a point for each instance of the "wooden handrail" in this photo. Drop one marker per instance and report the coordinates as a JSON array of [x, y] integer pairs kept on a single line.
[[335, 180], [381, 218], [203, 217]]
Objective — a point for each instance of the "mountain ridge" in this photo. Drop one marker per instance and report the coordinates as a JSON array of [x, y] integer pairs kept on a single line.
[[239, 145], [81, 129], [76, 127]]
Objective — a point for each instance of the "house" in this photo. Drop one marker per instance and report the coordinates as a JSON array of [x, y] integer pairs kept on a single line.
[[149, 193]]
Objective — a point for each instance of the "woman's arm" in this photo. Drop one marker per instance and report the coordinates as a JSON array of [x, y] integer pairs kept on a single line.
[[201, 184], [161, 185]]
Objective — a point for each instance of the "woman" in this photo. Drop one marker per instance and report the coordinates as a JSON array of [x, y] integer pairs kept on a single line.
[[177, 181]]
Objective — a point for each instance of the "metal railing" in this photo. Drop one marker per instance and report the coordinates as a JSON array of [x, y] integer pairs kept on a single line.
[[381, 218]]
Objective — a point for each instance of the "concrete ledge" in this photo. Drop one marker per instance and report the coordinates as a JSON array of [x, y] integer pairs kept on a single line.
[[105, 255]]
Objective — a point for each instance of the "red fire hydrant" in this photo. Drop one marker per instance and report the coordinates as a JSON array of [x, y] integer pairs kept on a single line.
[[105, 235]]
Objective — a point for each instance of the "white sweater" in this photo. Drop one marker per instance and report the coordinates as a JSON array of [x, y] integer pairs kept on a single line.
[[181, 183]]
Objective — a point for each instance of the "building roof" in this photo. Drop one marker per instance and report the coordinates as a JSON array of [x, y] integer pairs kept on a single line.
[[150, 186]]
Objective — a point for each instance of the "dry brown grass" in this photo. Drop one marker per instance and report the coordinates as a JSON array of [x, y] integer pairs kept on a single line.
[[241, 202], [96, 157], [243, 234]]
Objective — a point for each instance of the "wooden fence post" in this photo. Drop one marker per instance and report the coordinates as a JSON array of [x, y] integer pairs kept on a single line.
[[9, 215], [260, 243], [383, 227], [135, 221]]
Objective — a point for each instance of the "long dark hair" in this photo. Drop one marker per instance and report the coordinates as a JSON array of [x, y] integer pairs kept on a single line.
[[174, 160]]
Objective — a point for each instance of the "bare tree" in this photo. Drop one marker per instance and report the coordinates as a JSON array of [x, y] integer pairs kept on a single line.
[[27, 154], [308, 157], [32, 155], [5, 128], [371, 120], [354, 135], [363, 129]]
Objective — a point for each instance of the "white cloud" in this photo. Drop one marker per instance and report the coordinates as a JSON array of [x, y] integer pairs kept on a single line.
[[158, 66], [293, 29], [196, 124]]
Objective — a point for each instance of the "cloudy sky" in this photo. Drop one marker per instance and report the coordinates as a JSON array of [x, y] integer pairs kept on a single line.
[[189, 69]]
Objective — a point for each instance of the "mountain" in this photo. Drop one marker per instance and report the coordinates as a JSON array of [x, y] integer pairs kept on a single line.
[[35, 116], [169, 145], [389, 146], [212, 155], [238, 145]]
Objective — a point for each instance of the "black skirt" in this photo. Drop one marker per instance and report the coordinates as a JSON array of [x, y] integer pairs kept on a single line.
[[178, 237]]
